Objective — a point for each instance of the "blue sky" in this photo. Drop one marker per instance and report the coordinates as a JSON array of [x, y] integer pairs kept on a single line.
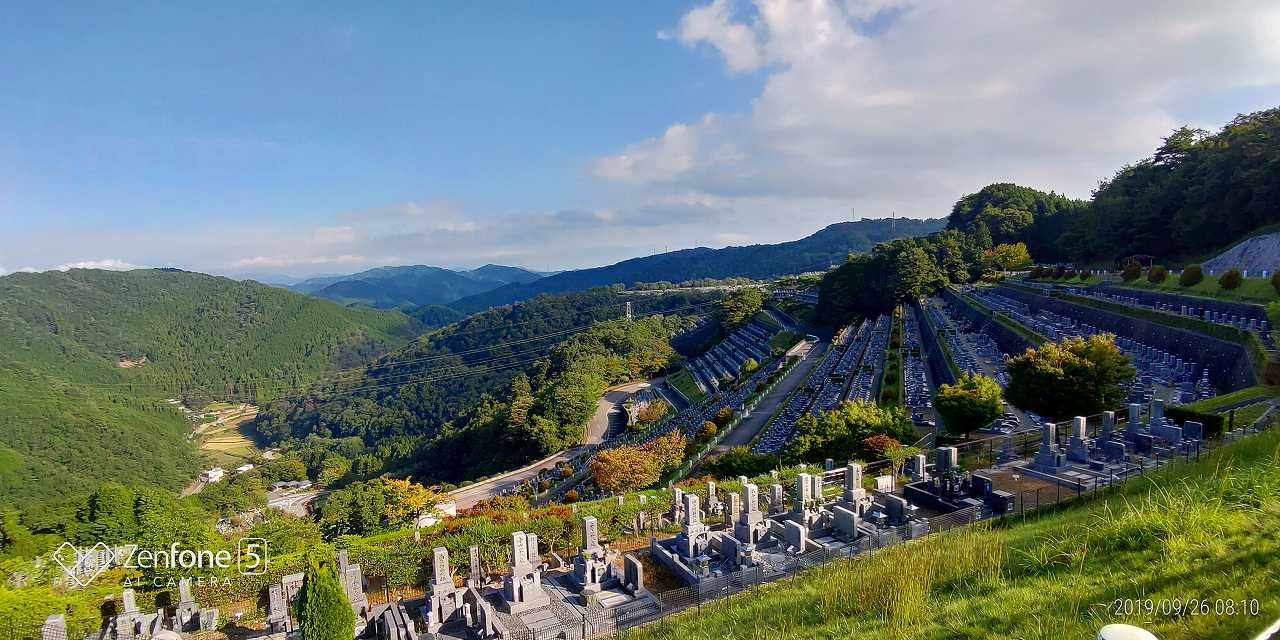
[[299, 138]]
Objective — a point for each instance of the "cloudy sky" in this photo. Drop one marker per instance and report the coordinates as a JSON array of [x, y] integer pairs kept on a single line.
[[282, 138]]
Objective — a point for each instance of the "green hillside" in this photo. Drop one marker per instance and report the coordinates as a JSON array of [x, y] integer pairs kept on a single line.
[[87, 359]]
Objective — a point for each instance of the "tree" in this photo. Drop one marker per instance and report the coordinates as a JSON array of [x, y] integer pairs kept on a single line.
[[1275, 281], [322, 608], [408, 501], [706, 432], [1011, 256], [740, 461], [1132, 271], [1156, 274], [723, 416], [1074, 377], [1192, 274], [623, 469], [739, 306], [971, 403], [652, 411], [1231, 279], [880, 446], [750, 366], [840, 433]]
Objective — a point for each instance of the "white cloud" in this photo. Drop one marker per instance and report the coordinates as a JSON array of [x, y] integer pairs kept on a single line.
[[285, 262], [945, 99], [109, 264]]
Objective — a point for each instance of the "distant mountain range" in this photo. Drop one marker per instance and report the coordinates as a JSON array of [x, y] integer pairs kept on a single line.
[[816, 252], [411, 286]]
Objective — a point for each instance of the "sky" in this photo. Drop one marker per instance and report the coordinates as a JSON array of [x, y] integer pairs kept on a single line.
[[294, 138]]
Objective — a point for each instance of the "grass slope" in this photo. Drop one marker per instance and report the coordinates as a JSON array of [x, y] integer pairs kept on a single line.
[[1204, 530], [72, 413]]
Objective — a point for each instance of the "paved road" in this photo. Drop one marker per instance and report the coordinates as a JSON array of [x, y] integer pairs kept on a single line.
[[772, 401], [293, 502], [597, 427]]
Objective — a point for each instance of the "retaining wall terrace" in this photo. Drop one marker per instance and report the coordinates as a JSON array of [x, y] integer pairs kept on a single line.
[[1227, 361], [932, 351], [1176, 300], [1009, 341]]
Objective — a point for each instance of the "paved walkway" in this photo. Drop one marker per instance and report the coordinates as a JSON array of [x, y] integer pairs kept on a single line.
[[772, 401]]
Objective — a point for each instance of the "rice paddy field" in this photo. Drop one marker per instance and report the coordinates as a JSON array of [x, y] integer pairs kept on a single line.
[[1191, 551]]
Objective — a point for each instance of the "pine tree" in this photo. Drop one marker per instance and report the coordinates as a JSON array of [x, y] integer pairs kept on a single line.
[[322, 609]]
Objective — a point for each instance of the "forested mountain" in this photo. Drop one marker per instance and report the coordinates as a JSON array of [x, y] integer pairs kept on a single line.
[[816, 252], [390, 287], [1198, 192], [87, 359], [436, 393]]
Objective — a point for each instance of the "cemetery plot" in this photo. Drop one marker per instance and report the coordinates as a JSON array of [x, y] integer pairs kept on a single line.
[[850, 371]]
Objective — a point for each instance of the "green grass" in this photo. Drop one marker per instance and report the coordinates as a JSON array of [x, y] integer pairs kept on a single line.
[[1207, 529], [1248, 415], [683, 381], [1211, 405], [784, 340], [1255, 290]]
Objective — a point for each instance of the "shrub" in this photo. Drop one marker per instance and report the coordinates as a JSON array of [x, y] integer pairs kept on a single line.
[[1132, 270], [1275, 281], [1057, 272], [1069, 274], [706, 432], [544, 485], [1156, 274], [1085, 274], [1231, 280], [1191, 275], [740, 461], [570, 496], [1037, 271], [321, 608]]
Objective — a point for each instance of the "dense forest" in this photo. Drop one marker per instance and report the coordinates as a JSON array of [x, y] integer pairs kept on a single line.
[[1199, 192], [547, 358], [817, 252], [88, 357]]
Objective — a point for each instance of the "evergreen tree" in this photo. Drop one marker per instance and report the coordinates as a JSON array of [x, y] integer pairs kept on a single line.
[[321, 608]]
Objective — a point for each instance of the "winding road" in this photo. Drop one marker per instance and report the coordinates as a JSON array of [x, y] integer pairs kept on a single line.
[[608, 412]]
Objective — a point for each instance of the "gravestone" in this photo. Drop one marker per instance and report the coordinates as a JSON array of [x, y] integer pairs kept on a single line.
[[445, 599], [735, 508], [1114, 451], [353, 585], [829, 464], [1078, 445], [981, 485], [846, 523], [591, 567], [1108, 424], [750, 525], [1157, 412], [853, 490], [885, 484], [896, 508], [54, 627], [522, 585], [128, 602], [1048, 458], [1193, 430], [694, 535], [947, 458], [776, 503], [633, 576], [919, 463], [278, 620], [187, 608], [797, 536], [208, 619], [475, 578], [713, 500], [1133, 426]]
